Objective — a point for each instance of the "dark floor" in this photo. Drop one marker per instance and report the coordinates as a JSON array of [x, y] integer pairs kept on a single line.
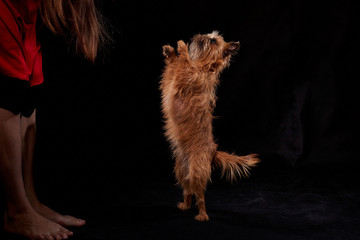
[[266, 206]]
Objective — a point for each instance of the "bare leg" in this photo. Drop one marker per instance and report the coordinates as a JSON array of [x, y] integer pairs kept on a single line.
[[20, 218], [28, 136]]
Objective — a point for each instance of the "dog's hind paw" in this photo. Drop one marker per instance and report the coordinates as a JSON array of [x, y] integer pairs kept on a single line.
[[202, 217], [182, 206]]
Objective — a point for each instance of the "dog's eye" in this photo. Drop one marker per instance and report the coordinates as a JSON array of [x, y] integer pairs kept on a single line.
[[212, 40]]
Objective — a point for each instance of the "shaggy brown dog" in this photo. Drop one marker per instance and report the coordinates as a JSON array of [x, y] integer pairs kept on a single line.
[[188, 99]]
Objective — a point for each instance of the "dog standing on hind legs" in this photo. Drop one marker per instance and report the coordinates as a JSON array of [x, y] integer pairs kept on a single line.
[[188, 87]]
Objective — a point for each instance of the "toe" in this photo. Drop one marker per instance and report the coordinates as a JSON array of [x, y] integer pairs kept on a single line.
[[74, 222], [80, 222], [40, 237], [65, 232], [64, 235], [58, 236], [47, 236]]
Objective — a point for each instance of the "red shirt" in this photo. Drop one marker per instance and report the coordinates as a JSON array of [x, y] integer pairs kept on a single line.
[[20, 54]]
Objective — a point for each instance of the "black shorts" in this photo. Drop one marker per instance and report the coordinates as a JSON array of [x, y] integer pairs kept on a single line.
[[17, 96]]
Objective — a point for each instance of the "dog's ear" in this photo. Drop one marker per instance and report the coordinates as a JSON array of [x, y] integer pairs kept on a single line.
[[232, 48]]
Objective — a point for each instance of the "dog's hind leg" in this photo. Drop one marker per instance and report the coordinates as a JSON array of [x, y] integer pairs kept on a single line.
[[199, 175], [181, 172], [186, 204], [200, 201]]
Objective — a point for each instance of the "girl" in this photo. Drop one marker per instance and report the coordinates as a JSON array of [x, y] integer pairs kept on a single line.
[[20, 73]]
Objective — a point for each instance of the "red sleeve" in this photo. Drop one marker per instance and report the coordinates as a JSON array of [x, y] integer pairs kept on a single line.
[[20, 54]]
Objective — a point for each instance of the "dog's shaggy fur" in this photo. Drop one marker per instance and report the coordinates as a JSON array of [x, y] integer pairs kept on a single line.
[[188, 89]]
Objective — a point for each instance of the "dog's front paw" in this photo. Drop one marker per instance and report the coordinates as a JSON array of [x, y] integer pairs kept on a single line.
[[168, 51], [202, 217], [182, 47]]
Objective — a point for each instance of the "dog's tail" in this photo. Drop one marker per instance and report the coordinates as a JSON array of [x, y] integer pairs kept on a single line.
[[234, 166]]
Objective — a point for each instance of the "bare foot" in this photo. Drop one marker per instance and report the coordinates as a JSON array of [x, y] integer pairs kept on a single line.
[[64, 220], [35, 227]]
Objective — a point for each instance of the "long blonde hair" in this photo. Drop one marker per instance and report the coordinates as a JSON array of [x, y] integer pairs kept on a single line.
[[81, 19]]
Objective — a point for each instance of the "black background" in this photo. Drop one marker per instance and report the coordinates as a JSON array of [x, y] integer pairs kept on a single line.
[[291, 94]]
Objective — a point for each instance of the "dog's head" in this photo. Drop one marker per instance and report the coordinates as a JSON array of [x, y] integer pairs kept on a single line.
[[211, 51]]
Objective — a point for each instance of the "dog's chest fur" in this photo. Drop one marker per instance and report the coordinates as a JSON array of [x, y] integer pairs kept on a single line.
[[188, 100]]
